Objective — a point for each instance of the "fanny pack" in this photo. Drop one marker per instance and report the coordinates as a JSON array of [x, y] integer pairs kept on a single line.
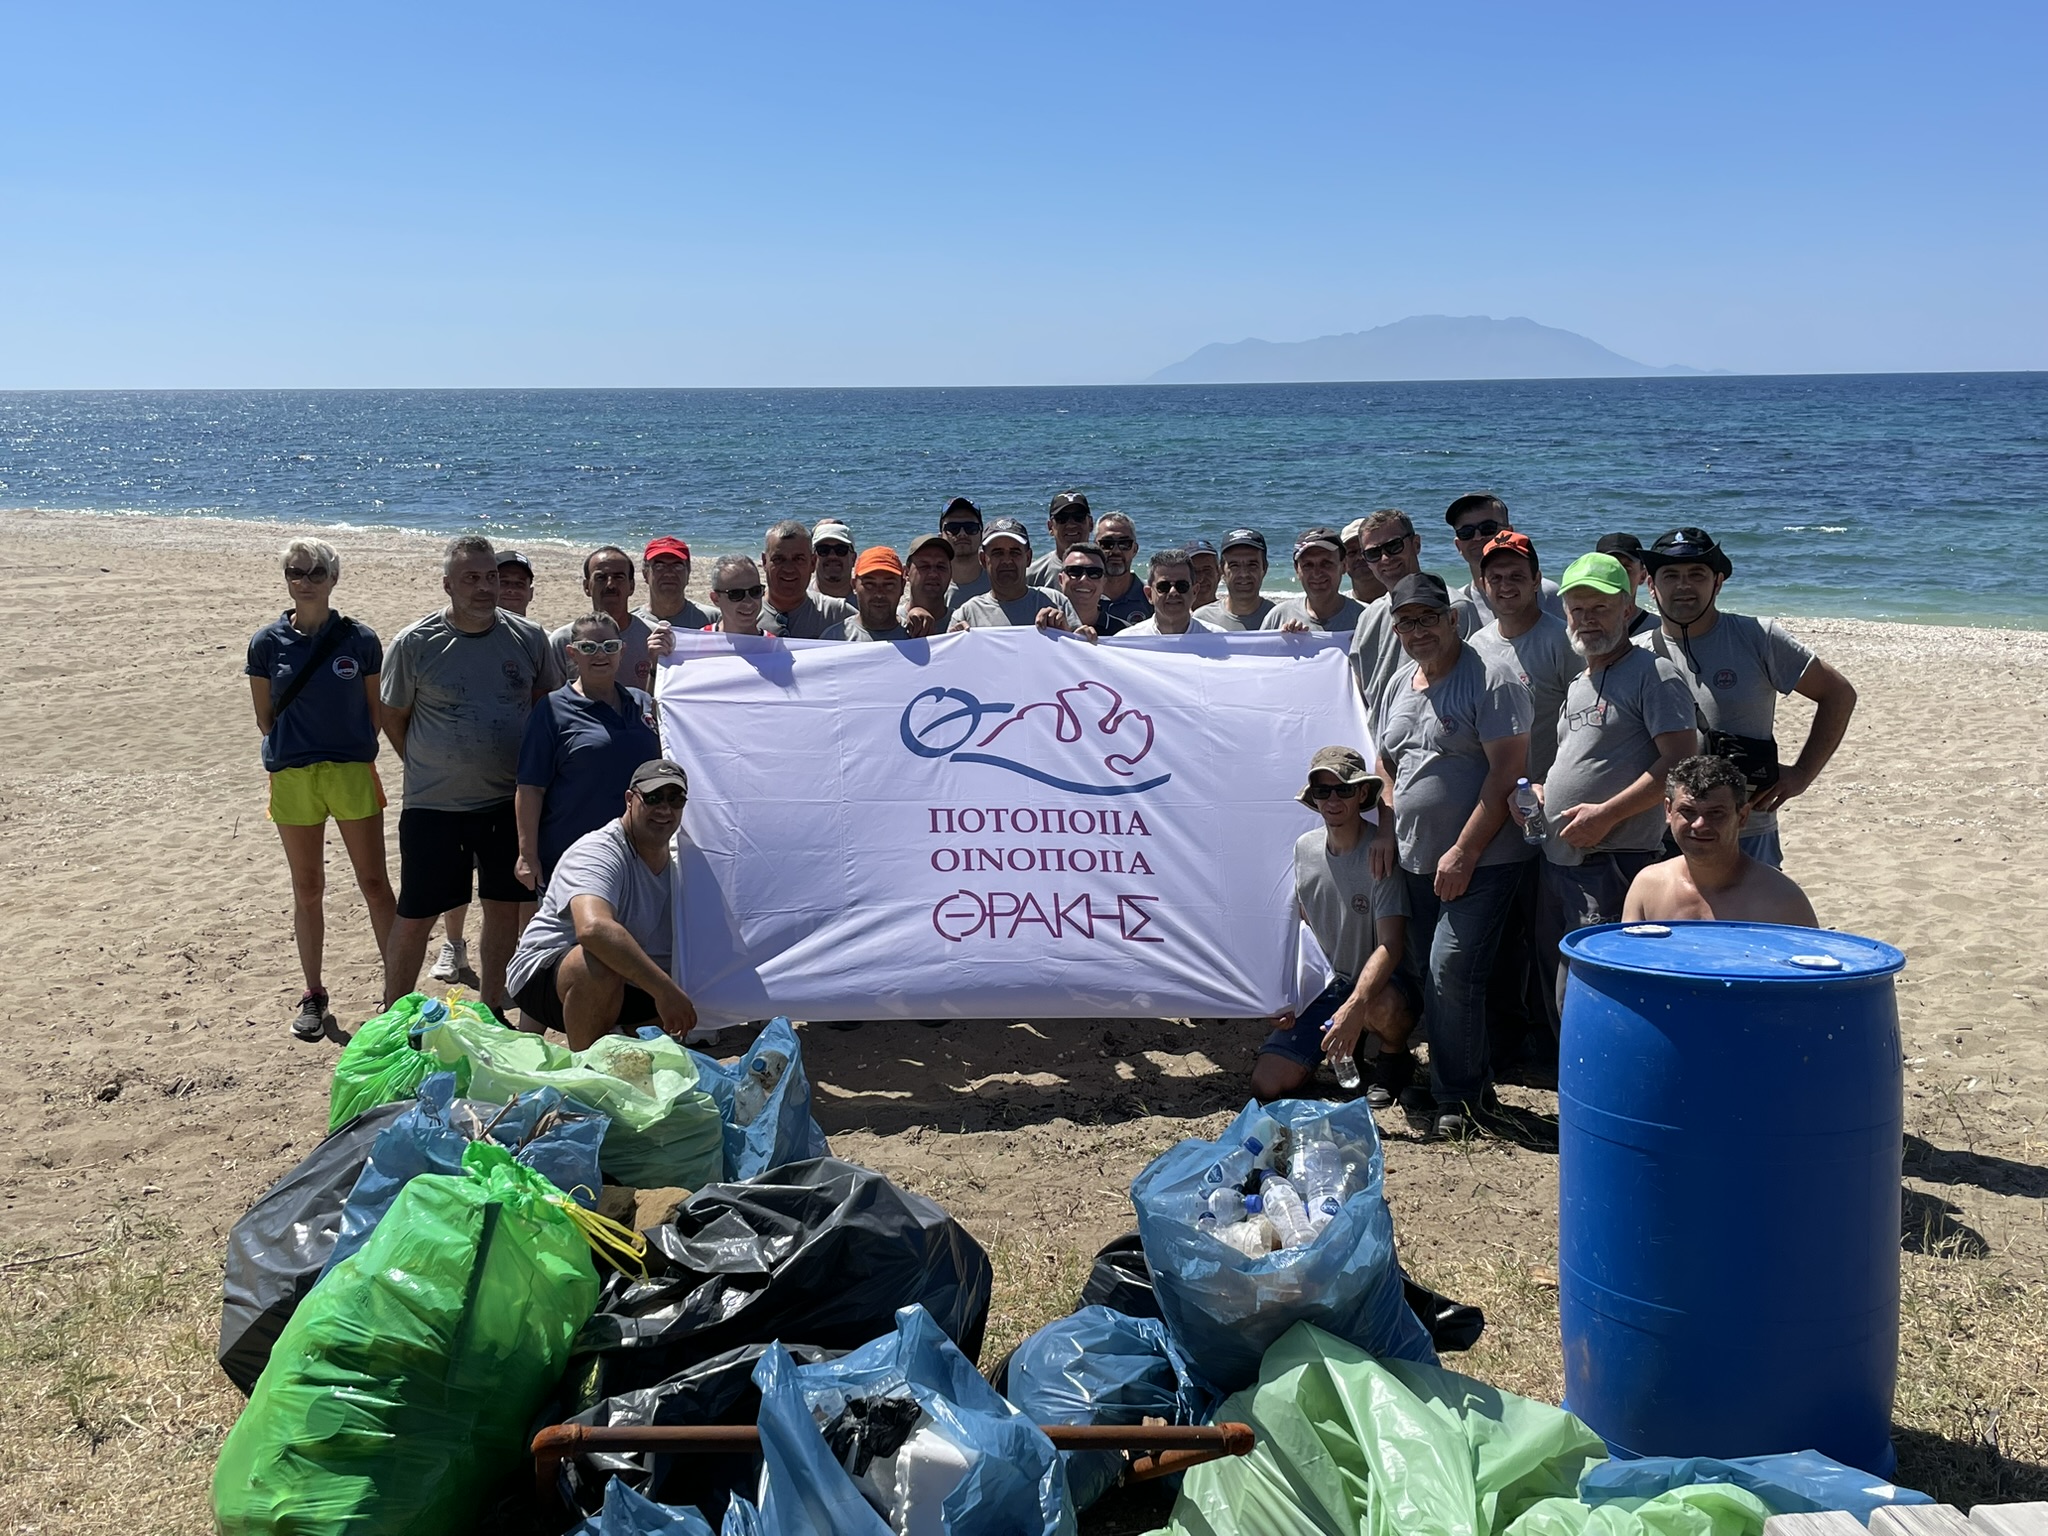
[[1754, 757]]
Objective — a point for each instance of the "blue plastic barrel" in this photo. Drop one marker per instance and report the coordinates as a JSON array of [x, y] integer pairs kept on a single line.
[[1730, 1107]]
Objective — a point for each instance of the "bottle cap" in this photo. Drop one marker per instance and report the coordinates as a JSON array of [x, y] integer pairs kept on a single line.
[[1254, 1204]]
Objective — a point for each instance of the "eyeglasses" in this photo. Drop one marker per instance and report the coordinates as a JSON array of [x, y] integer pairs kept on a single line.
[[300, 573], [1341, 791], [1173, 586], [833, 549], [1117, 541], [662, 797], [1387, 551], [738, 594], [610, 647], [1070, 515], [1417, 625], [1485, 530], [1083, 572], [956, 529]]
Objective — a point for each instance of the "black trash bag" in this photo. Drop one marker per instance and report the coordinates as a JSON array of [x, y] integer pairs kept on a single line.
[[821, 1250], [1121, 1279], [720, 1390], [277, 1250]]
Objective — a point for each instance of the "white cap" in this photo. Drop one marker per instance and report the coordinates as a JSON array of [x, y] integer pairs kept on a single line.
[[1354, 529], [832, 528]]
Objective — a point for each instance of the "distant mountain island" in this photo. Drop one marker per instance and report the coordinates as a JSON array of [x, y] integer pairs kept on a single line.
[[1420, 347]]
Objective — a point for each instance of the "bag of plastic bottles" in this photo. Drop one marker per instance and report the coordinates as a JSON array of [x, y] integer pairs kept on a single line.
[[554, 1136], [1100, 1367], [401, 1391], [1224, 1306], [765, 1100], [1800, 1483], [382, 1063], [902, 1435], [627, 1513], [665, 1130]]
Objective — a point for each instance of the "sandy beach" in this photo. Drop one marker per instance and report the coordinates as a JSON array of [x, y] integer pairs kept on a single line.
[[154, 1089]]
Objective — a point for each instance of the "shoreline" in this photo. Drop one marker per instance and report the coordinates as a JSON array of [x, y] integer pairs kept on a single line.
[[227, 533]]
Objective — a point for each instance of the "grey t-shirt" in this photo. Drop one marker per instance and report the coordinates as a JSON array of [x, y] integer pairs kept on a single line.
[[808, 620], [469, 696], [1045, 571], [853, 629], [1736, 672], [974, 586], [1218, 615], [1544, 660], [687, 617], [600, 863], [1606, 741], [1435, 739], [636, 667], [1551, 601], [1376, 653], [985, 612], [1342, 622], [1342, 902]]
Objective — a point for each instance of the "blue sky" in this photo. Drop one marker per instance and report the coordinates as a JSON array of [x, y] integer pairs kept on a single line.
[[680, 194]]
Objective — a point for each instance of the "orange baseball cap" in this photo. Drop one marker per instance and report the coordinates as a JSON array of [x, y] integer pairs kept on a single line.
[[880, 558], [1508, 542]]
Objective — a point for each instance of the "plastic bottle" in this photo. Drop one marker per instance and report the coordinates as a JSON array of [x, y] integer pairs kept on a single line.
[[1267, 1143], [1346, 1068], [1226, 1204], [1323, 1173], [764, 1071], [1525, 800], [1252, 1237], [1283, 1208]]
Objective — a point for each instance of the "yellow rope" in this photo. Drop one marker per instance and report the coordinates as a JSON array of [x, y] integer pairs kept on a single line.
[[619, 1243]]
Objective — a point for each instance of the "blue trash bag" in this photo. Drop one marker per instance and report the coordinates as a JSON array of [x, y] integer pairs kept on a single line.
[[431, 1136], [1799, 1483], [783, 1131], [1101, 1367], [627, 1513], [1012, 1485], [1225, 1309], [741, 1519]]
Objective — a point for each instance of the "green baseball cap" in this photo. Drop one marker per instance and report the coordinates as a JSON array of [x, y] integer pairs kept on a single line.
[[1603, 573]]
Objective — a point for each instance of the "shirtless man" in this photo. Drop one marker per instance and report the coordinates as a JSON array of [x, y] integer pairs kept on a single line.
[[1706, 805]]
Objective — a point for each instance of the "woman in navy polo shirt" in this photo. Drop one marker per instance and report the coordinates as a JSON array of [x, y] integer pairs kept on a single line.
[[583, 742], [313, 678]]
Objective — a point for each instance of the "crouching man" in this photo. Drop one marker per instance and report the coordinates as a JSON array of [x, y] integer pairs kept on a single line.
[[595, 958], [1362, 925]]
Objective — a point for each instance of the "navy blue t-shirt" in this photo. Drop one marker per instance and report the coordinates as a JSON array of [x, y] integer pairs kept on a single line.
[[329, 720], [582, 755], [1134, 607]]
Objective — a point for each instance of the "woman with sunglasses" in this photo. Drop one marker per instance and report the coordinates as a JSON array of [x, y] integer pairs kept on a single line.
[[582, 743], [313, 678], [737, 589]]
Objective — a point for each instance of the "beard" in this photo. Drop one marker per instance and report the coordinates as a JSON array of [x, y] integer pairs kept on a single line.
[[1595, 643]]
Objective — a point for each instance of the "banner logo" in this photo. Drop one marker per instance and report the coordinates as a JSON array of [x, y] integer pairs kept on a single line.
[[1082, 739]]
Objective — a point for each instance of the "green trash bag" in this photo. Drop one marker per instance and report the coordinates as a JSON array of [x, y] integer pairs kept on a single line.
[[665, 1130], [402, 1390], [1697, 1509], [379, 1064], [1349, 1445]]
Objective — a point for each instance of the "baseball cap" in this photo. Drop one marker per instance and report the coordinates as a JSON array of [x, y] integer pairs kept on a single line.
[[929, 540], [1619, 544], [1508, 542], [1006, 528], [1238, 537], [1420, 590], [1603, 573], [831, 528], [1688, 546], [657, 772], [666, 546], [1199, 547], [1348, 764], [959, 504], [1353, 529], [513, 557], [1067, 499], [880, 558], [1315, 536]]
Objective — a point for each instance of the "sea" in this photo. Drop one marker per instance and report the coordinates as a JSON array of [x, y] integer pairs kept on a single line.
[[1891, 496]]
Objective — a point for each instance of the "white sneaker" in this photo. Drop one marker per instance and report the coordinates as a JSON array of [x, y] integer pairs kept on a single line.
[[452, 961]]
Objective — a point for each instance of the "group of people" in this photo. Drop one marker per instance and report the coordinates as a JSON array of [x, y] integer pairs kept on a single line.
[[534, 776]]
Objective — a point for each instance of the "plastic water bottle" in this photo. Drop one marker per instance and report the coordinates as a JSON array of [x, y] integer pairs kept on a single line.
[[751, 1096], [1267, 1144], [1346, 1068], [1525, 800], [1226, 1205], [1247, 1237], [1284, 1209], [1325, 1179]]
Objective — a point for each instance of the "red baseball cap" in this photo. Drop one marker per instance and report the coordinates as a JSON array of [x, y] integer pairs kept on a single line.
[[667, 546], [1508, 542]]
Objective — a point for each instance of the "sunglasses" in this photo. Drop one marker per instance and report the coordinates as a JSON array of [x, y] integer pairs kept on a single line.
[[300, 573], [1115, 541], [833, 549], [1386, 551], [738, 594], [596, 647], [956, 529], [1083, 572], [1341, 791], [1071, 515], [1485, 530], [662, 797], [1173, 586]]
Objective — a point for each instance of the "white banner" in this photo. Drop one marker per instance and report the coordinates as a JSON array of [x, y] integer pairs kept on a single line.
[[1006, 823]]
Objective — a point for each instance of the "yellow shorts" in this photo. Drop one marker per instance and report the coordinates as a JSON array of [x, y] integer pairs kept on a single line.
[[306, 797]]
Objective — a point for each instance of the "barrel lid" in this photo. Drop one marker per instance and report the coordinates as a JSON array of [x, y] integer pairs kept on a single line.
[[1733, 951]]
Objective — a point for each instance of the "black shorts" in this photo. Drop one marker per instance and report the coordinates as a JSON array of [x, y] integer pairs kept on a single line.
[[539, 1000], [437, 849]]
